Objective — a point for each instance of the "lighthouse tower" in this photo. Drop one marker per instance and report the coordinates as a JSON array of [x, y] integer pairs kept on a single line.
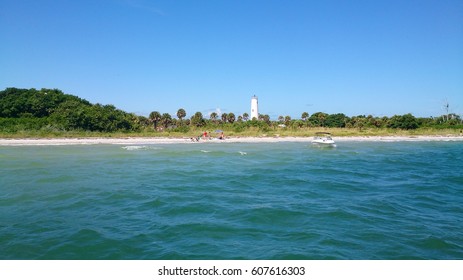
[[254, 108]]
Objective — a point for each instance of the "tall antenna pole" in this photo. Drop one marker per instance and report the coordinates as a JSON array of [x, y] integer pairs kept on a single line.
[[446, 108]]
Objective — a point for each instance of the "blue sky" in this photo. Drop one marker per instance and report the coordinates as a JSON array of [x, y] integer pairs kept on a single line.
[[354, 57]]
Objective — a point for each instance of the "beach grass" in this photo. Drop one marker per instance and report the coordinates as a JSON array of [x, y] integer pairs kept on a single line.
[[248, 132]]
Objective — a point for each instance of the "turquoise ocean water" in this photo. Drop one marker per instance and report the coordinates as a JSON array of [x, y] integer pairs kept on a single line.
[[360, 200]]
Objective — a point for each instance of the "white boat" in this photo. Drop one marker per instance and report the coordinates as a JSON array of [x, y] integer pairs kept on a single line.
[[323, 138]]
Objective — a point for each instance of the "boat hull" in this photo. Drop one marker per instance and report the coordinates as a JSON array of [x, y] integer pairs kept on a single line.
[[323, 142]]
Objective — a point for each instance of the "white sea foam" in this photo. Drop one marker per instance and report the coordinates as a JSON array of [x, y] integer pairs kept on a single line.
[[242, 153], [134, 148], [137, 148]]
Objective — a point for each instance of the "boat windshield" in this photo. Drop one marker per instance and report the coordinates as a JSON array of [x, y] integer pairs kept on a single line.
[[323, 135]]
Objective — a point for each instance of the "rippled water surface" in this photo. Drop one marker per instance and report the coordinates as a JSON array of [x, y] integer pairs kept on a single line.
[[360, 200]]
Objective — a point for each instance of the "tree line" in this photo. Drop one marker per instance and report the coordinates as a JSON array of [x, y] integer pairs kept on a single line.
[[318, 119], [51, 109], [31, 109]]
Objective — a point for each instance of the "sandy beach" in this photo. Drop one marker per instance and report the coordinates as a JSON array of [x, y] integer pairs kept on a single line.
[[155, 140]]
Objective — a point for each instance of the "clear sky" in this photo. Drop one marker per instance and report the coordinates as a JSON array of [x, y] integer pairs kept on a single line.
[[378, 57]]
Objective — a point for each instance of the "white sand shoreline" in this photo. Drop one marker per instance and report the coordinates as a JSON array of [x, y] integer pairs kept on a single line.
[[155, 140]]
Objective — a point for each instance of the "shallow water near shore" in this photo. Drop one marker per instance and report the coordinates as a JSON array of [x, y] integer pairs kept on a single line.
[[360, 200]]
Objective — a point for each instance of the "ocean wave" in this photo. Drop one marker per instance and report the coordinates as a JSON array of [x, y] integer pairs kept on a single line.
[[136, 148], [281, 200]]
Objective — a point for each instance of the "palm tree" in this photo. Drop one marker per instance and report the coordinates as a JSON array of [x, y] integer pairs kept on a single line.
[[154, 117], [287, 120], [304, 116], [224, 117], [231, 117], [266, 118], [245, 116], [166, 119], [213, 116], [181, 114]]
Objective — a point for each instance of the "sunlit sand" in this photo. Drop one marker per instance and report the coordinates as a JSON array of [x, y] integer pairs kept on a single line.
[[154, 140]]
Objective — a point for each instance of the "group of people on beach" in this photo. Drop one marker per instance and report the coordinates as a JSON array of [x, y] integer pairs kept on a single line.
[[207, 136]]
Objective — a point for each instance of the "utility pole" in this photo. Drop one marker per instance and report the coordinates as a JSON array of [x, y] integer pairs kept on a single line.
[[446, 108]]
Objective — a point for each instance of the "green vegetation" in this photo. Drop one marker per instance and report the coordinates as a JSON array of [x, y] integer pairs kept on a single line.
[[52, 113]]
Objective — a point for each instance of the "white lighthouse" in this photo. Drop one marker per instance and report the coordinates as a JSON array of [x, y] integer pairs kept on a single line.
[[254, 108]]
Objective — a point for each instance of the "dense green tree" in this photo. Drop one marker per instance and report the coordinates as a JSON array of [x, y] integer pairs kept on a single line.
[[15, 103], [318, 119], [72, 115], [455, 119], [297, 124], [407, 121], [231, 117], [143, 121], [374, 122], [336, 120], [358, 122], [197, 120]]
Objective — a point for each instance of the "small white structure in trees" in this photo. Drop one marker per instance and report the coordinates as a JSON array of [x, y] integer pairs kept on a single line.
[[254, 108]]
